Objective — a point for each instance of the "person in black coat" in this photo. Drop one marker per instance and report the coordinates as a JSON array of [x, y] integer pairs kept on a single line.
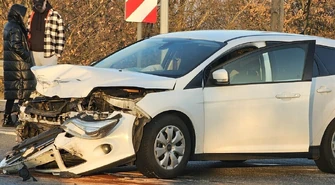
[[19, 81]]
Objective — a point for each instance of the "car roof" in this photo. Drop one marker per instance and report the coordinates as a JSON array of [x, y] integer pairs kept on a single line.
[[226, 35]]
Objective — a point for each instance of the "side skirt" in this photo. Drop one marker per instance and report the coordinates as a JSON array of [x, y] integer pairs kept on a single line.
[[313, 153]]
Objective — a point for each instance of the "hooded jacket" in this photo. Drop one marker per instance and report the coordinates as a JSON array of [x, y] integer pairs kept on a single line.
[[19, 81]]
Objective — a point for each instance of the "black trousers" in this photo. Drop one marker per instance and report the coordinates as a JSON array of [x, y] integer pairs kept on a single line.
[[9, 106]]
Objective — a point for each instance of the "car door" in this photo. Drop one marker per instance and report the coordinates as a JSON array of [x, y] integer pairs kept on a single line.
[[323, 96], [265, 107]]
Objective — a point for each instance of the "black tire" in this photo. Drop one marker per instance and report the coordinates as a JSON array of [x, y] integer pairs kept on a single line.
[[326, 162], [147, 160]]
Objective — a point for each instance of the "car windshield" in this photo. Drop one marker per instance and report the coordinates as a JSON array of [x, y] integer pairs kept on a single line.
[[161, 56]]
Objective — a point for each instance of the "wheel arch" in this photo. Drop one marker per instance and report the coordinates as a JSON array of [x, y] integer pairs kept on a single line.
[[318, 131], [186, 120], [332, 122]]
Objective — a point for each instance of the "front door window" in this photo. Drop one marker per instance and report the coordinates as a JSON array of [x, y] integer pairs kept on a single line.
[[283, 64]]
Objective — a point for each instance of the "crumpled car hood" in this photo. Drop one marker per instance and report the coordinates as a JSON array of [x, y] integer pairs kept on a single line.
[[65, 80]]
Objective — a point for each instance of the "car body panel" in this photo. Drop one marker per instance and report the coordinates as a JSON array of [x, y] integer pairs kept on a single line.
[[322, 107], [119, 138], [189, 103], [251, 119], [59, 80]]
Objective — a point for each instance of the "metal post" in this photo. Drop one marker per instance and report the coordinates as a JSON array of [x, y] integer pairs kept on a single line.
[[139, 31], [164, 22]]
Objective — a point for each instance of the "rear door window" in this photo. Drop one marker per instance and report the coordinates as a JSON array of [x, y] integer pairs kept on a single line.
[[327, 56]]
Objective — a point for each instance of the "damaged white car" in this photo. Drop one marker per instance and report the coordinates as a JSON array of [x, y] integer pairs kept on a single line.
[[199, 95]]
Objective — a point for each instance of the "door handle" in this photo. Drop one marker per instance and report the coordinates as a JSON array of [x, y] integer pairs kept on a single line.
[[323, 89], [288, 95]]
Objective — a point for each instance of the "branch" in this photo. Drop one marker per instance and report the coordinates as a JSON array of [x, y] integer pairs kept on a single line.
[[204, 17], [84, 21], [238, 14]]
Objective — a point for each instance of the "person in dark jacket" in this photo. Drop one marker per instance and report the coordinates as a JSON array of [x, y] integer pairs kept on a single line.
[[19, 81]]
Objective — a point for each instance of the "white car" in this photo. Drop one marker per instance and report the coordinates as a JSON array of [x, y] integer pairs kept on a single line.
[[196, 95]]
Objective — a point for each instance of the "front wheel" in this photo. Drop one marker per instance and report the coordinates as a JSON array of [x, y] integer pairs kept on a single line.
[[326, 162], [165, 147]]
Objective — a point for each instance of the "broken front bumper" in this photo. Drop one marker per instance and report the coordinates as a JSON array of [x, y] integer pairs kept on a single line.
[[97, 144]]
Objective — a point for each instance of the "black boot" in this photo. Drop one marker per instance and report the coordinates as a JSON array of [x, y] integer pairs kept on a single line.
[[7, 121]]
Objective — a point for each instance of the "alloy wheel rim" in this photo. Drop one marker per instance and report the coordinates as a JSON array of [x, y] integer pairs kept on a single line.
[[169, 147]]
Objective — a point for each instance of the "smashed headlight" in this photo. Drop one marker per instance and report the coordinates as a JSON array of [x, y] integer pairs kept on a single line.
[[90, 129]]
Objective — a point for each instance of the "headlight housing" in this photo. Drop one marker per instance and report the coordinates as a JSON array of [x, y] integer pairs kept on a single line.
[[90, 129]]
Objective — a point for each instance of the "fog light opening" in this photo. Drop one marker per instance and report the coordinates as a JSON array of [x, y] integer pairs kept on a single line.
[[106, 148]]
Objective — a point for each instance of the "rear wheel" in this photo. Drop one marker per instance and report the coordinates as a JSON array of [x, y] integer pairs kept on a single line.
[[165, 147], [326, 162]]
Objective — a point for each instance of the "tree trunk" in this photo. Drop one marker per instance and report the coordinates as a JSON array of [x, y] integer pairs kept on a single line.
[[277, 15]]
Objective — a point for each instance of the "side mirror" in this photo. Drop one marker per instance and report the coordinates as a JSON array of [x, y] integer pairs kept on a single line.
[[221, 76]]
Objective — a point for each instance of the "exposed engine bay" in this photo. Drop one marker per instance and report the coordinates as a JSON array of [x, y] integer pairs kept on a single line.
[[43, 113]]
